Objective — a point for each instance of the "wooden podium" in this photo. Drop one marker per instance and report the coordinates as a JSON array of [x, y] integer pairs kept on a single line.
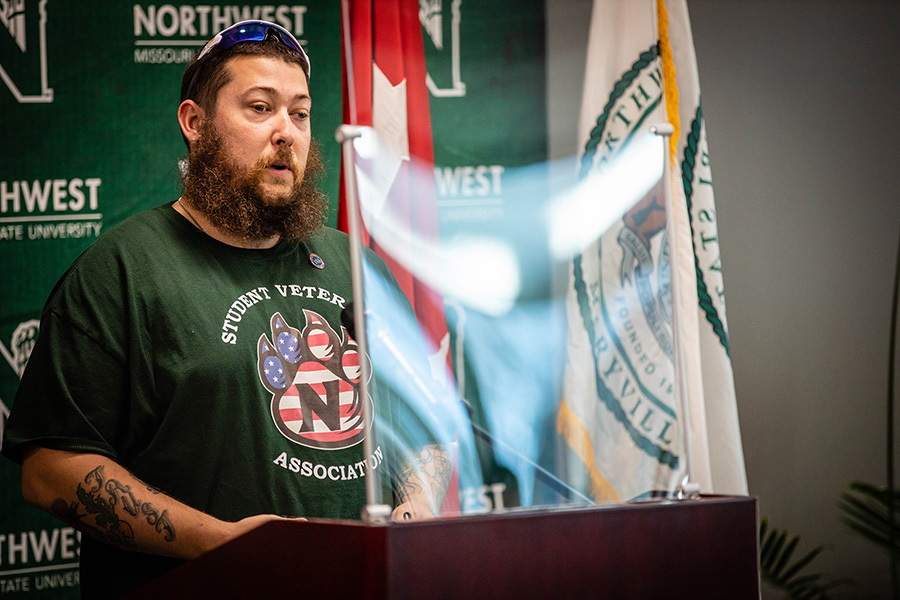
[[703, 548]]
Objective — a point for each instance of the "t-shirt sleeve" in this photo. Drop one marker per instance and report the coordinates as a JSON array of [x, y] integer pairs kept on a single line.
[[71, 394], [74, 391]]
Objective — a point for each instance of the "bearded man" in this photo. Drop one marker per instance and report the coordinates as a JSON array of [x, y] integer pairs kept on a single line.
[[170, 403]]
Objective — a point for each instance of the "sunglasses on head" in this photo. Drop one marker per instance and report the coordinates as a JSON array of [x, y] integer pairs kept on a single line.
[[254, 31]]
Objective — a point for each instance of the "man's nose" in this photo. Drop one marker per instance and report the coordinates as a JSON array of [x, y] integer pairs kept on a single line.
[[283, 129]]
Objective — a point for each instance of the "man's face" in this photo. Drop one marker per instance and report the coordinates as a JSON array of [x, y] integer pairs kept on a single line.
[[252, 169], [262, 120]]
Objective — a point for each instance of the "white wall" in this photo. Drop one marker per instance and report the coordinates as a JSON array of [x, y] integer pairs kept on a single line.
[[801, 99]]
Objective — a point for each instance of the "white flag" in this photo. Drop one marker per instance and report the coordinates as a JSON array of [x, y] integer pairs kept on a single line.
[[623, 411]]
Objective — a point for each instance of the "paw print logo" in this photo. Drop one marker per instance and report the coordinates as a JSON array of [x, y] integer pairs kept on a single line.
[[314, 379]]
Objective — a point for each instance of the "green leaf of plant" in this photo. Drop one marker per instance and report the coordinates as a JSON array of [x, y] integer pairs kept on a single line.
[[801, 563], [785, 556], [777, 549], [776, 542], [866, 510]]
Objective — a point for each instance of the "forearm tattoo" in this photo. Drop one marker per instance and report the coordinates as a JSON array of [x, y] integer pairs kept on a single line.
[[428, 474], [97, 513]]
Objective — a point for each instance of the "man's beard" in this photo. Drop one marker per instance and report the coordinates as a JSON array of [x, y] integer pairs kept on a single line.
[[232, 201]]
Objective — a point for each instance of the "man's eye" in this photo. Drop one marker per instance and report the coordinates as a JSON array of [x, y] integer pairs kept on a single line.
[[302, 115], [259, 107]]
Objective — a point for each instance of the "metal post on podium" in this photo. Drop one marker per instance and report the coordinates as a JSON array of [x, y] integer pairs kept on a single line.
[[688, 489], [376, 512]]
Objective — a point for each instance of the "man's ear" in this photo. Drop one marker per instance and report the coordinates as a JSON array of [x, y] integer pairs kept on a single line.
[[190, 115]]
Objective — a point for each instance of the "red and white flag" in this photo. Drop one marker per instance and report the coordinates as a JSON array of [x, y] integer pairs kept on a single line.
[[388, 92]]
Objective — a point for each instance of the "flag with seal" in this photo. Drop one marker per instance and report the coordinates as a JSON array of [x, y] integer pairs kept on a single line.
[[648, 345]]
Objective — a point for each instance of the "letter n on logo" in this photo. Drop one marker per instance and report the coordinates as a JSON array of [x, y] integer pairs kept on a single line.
[[320, 410]]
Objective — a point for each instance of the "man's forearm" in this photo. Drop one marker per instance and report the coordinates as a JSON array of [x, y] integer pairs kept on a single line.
[[104, 500], [423, 484]]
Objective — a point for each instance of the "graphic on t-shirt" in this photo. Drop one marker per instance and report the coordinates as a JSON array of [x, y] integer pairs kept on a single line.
[[314, 379]]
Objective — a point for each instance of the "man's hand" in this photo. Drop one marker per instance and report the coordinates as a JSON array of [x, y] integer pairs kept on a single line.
[[409, 511], [250, 523]]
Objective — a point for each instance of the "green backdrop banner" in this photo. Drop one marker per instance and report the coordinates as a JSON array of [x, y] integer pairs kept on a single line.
[[87, 123]]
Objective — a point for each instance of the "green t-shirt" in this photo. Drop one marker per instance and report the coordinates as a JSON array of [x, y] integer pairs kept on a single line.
[[220, 375]]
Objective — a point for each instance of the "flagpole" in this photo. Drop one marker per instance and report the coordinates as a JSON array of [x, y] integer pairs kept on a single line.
[[688, 488], [348, 64], [375, 512]]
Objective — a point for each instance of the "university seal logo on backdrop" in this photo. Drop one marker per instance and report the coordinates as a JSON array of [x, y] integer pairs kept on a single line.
[[314, 377], [622, 282]]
